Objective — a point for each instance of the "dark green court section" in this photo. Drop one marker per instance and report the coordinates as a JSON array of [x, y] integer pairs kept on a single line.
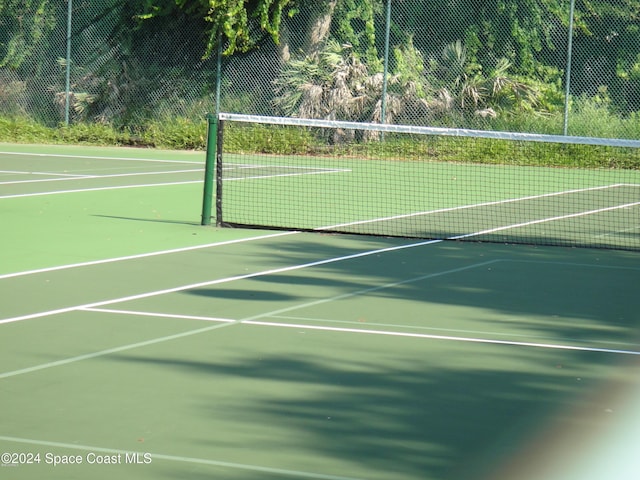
[[317, 402], [298, 401], [245, 401]]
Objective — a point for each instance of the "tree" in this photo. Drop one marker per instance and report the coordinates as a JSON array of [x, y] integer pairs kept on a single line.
[[335, 84], [607, 53], [24, 24], [332, 84], [457, 85], [518, 30], [229, 19]]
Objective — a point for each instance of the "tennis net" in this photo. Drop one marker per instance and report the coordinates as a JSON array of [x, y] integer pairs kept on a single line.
[[422, 182]]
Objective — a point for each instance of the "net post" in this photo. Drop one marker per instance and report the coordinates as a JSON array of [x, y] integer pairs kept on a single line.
[[219, 144], [207, 196]]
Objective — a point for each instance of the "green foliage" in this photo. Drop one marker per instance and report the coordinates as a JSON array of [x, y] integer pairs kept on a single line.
[[452, 61], [20, 39], [597, 116], [229, 19], [171, 133], [334, 84], [24, 130], [12, 93], [270, 140], [355, 25], [459, 88], [91, 134], [494, 152], [182, 133], [517, 30], [410, 67], [174, 133]]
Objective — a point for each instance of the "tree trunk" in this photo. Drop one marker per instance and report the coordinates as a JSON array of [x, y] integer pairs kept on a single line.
[[307, 31]]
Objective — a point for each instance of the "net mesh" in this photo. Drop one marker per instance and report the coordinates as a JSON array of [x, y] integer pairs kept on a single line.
[[450, 184]]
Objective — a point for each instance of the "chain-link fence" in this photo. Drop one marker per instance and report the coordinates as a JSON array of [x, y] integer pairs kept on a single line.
[[492, 64]]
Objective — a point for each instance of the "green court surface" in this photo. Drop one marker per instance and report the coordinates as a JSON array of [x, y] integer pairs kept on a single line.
[[137, 344]]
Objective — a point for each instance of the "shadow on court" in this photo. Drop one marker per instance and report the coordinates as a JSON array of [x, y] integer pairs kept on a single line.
[[571, 295], [417, 408], [411, 419], [242, 295]]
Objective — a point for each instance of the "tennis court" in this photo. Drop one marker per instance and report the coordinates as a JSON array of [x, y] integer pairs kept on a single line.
[[137, 344]]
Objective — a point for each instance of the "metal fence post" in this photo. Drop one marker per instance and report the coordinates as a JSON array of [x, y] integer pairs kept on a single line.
[[383, 113], [568, 70], [67, 88]]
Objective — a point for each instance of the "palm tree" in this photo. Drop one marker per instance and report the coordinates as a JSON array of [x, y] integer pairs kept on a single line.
[[329, 85], [458, 85], [335, 84]]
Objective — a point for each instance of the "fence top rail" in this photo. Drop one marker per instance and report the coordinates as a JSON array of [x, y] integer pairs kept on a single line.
[[422, 130]]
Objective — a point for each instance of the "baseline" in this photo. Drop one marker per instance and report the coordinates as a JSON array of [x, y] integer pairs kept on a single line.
[[366, 331]]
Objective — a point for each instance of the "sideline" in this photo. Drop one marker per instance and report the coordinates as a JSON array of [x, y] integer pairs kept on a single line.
[[120, 187], [218, 281], [220, 322], [142, 255]]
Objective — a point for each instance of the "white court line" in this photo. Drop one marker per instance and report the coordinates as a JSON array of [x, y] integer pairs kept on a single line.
[[216, 282], [57, 192], [544, 220], [440, 337], [175, 458], [475, 205], [248, 166], [222, 322], [321, 301], [96, 307], [291, 232], [54, 174], [276, 175], [115, 175], [131, 257], [312, 171], [144, 255], [373, 331], [161, 315], [417, 327], [109, 351], [89, 157]]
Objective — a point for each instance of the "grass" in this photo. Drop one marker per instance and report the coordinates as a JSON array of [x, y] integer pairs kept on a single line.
[[183, 133], [505, 152], [249, 138], [175, 134]]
